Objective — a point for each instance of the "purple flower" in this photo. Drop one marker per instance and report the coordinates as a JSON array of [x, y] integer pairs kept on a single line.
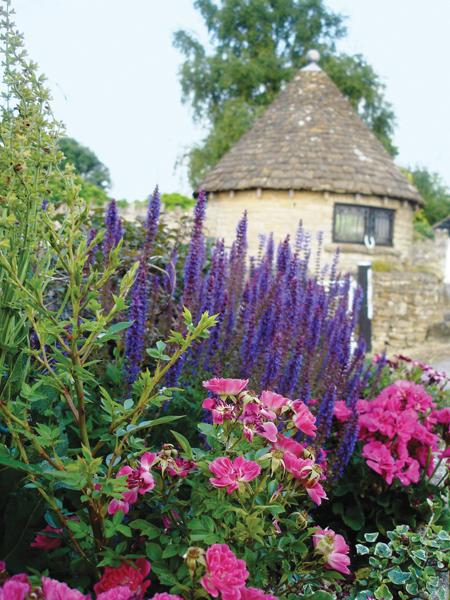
[[114, 230]]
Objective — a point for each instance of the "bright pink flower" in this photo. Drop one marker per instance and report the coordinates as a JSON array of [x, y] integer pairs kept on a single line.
[[14, 590], [380, 460], [225, 387], [269, 431], [446, 453], [303, 418], [122, 592], [139, 481], [225, 574], [333, 548], [127, 575], [255, 594], [56, 590], [180, 467], [229, 474], [286, 444], [407, 471], [342, 411], [47, 542], [220, 410], [442, 416], [316, 493], [165, 596], [273, 401]]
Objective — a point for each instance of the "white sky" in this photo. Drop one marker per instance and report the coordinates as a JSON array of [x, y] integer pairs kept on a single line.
[[113, 73]]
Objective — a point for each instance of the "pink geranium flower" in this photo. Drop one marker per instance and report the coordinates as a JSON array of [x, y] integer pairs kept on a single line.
[[127, 575], [303, 418], [255, 594], [14, 590], [273, 401], [333, 548], [342, 411], [47, 542], [229, 474], [380, 460], [57, 590], [225, 574], [225, 387]]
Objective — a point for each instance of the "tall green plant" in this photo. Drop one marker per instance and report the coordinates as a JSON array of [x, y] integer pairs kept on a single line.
[[28, 158]]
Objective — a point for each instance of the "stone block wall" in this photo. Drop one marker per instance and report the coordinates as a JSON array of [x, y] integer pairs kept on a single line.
[[405, 305]]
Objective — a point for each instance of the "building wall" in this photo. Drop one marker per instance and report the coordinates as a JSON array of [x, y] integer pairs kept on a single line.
[[279, 212], [406, 304]]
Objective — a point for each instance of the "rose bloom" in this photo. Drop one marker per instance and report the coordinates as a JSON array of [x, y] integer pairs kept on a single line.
[[255, 594], [229, 474], [56, 590], [46, 542], [14, 590], [132, 576], [139, 481], [303, 418], [225, 387], [225, 574], [165, 596], [122, 592], [333, 548], [273, 401]]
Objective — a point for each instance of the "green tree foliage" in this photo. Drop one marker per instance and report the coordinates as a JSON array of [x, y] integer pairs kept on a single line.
[[435, 193], [85, 162], [256, 47]]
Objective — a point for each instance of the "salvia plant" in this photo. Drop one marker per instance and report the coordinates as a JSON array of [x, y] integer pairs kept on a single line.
[[283, 320]]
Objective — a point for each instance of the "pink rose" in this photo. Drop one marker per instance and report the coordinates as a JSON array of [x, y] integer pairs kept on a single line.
[[229, 474], [126, 575], [225, 574], [333, 548], [165, 596], [303, 418], [225, 387], [47, 542], [122, 592], [273, 401], [255, 594], [14, 590], [56, 590]]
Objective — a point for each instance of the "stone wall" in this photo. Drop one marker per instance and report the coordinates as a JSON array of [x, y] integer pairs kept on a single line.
[[432, 255], [279, 212], [405, 305]]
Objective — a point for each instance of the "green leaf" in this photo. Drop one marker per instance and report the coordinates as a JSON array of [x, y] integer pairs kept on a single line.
[[354, 517], [318, 596], [371, 537], [112, 331], [184, 444], [361, 549], [6, 461], [383, 550], [382, 593], [398, 576]]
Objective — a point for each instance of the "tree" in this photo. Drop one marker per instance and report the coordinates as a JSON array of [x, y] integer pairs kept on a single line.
[[85, 162], [436, 196], [257, 46]]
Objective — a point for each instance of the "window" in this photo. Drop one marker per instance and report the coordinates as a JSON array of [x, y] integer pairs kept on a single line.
[[356, 224]]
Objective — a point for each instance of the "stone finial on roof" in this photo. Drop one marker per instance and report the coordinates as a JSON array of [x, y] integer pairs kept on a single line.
[[313, 57]]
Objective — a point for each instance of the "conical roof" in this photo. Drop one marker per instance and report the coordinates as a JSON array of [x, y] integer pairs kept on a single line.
[[310, 138]]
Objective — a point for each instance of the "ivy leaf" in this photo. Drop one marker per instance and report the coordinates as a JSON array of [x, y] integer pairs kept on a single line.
[[398, 576], [382, 593], [371, 537], [361, 549], [383, 550]]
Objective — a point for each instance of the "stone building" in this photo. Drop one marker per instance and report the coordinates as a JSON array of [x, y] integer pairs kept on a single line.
[[310, 157]]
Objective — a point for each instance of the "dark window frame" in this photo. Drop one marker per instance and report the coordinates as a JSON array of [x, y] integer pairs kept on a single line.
[[370, 212]]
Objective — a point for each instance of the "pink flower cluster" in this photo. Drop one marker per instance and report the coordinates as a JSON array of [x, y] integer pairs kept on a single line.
[[229, 474], [258, 416], [139, 481], [300, 465], [333, 549], [226, 576], [132, 577], [398, 430]]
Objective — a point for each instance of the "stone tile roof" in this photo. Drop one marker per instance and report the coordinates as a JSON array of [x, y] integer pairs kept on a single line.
[[310, 138]]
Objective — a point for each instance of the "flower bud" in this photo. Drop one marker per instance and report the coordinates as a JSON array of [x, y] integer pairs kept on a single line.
[[194, 556]]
